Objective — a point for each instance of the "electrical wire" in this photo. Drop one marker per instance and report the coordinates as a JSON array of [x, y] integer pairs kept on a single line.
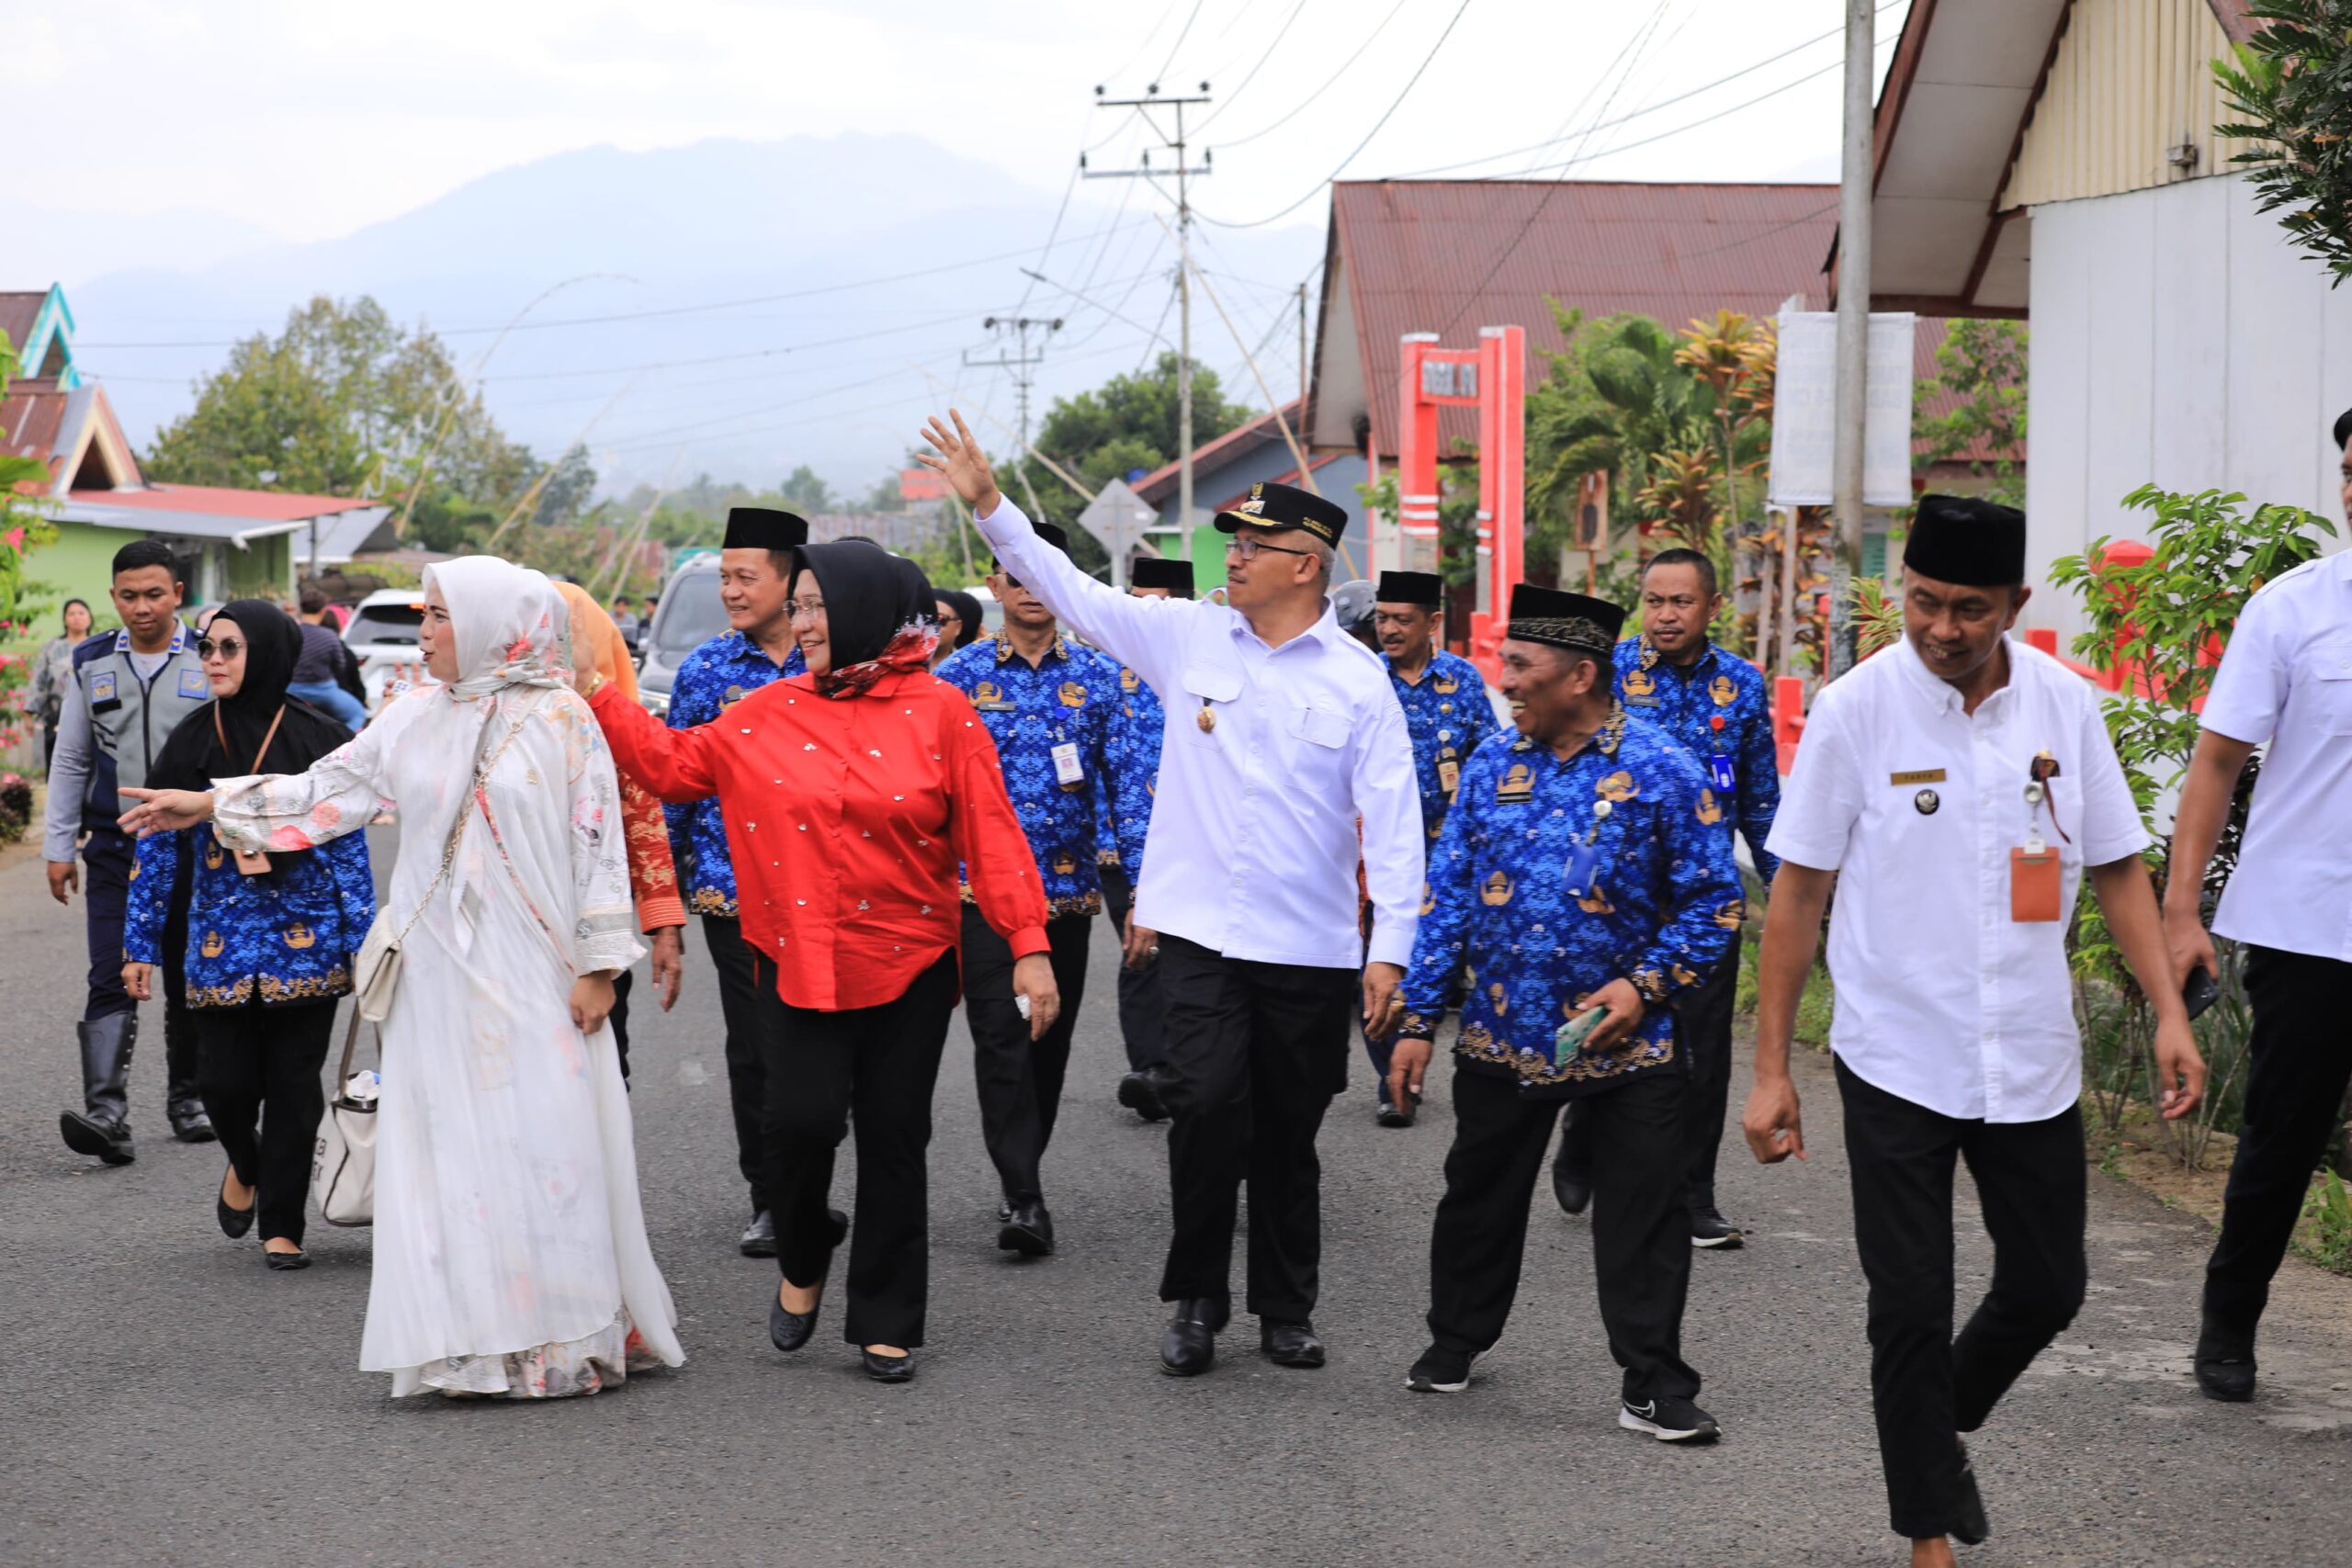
[[1181, 34], [1280, 33], [1300, 108], [1317, 190], [727, 358]]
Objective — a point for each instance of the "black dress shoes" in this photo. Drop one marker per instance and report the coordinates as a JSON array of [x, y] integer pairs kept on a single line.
[[108, 1140], [1028, 1229], [759, 1236], [788, 1331], [1139, 1092], [1290, 1344], [2225, 1364], [234, 1223], [888, 1369], [1188, 1347], [1970, 1528], [286, 1262], [1573, 1189], [193, 1127]]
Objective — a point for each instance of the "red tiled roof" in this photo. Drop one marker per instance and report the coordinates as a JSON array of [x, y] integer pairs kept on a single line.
[[1450, 256], [263, 505], [1156, 485], [17, 309], [31, 415], [1287, 477]]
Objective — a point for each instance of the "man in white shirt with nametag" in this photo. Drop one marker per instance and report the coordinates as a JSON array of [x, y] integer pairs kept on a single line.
[[1955, 789], [2286, 678], [1281, 732]]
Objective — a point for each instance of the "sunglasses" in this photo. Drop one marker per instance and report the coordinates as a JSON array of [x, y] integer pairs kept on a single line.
[[225, 647]]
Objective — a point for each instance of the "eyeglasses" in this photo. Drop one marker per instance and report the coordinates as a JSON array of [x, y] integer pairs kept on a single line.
[[227, 647], [1250, 549], [804, 609]]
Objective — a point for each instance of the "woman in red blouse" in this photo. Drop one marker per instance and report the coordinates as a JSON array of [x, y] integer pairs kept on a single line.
[[851, 794]]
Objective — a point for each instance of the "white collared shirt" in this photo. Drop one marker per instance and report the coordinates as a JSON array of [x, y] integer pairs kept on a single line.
[[1253, 849], [2287, 679], [1941, 997]]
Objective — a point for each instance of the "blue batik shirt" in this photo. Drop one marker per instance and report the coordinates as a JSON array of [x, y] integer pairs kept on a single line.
[[710, 680], [288, 936], [1447, 714], [1134, 773], [1718, 709], [1662, 906], [1070, 697]]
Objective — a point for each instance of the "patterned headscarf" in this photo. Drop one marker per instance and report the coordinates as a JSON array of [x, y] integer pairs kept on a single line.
[[508, 623]]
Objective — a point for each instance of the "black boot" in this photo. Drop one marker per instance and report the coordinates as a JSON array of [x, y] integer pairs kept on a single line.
[[183, 1103], [104, 1128], [2225, 1364]]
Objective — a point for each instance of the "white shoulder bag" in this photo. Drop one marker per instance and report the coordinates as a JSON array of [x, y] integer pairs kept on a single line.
[[343, 1160], [376, 968]]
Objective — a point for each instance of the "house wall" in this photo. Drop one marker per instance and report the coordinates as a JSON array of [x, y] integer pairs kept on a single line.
[[1338, 480], [263, 570], [2177, 339], [2133, 79], [79, 565]]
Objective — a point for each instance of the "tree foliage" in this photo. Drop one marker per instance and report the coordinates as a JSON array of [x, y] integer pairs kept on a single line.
[[2291, 86], [1128, 424], [1981, 375]]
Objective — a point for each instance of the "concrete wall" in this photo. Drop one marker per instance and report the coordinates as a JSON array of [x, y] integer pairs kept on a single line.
[[2177, 339]]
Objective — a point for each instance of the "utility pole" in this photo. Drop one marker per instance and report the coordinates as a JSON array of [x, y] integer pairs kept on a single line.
[[1184, 174], [1301, 355], [1019, 362], [1853, 402]]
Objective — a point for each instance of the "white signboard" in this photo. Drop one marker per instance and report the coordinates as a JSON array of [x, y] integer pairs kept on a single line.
[[1118, 516], [1804, 406]]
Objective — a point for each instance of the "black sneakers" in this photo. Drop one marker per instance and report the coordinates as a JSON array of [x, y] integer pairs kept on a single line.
[[1710, 1229], [1439, 1371], [1670, 1419]]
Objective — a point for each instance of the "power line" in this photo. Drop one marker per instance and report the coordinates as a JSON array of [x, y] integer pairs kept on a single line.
[[1280, 33], [1182, 33], [1410, 84], [727, 358], [1300, 108]]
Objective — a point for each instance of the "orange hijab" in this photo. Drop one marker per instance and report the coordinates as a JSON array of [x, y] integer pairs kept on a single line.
[[591, 625]]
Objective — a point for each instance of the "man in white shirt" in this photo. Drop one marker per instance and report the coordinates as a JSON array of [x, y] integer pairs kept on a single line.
[[2286, 678], [1955, 788], [1281, 732]]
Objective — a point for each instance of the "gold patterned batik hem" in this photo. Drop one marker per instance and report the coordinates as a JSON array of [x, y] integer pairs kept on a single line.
[[336, 982], [707, 902], [1479, 1044], [1073, 904]]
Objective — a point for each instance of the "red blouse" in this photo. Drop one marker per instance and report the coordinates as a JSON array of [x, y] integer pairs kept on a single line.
[[847, 821]]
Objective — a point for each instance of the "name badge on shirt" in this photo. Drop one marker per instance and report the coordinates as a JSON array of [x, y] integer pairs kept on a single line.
[[2033, 883], [1066, 766], [1449, 775], [1719, 770], [1584, 863], [1917, 776], [193, 682], [102, 687]]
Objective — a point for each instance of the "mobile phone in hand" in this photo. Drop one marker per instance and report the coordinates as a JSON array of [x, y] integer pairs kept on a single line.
[[2200, 992]]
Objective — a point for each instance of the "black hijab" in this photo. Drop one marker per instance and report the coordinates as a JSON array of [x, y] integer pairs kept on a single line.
[[968, 612], [878, 610], [192, 758]]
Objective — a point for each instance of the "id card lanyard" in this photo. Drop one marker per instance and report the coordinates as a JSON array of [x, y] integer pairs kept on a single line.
[[2034, 875], [1718, 764]]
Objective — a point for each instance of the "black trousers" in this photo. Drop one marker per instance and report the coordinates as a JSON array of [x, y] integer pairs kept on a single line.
[[106, 858], [2301, 1058], [1702, 1018], [1141, 1026], [1641, 1237], [1256, 1052], [875, 1067], [259, 1069], [740, 997], [1926, 1386], [1020, 1079], [623, 984]]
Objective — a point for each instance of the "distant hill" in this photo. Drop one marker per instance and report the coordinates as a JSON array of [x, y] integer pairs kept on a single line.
[[716, 222]]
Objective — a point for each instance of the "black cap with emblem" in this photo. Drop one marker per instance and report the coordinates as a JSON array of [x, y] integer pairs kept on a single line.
[[1158, 572], [1423, 588], [1278, 506], [764, 528], [1960, 539], [1574, 621]]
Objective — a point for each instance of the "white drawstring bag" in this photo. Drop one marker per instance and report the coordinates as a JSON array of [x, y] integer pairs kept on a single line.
[[343, 1162]]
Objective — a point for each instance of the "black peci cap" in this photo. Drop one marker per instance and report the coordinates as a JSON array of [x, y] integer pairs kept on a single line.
[[1423, 588], [1562, 619], [764, 528], [1271, 505], [1963, 540], [1158, 572]]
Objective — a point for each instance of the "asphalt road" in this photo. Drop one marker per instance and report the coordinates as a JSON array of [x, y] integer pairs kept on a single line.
[[164, 1399]]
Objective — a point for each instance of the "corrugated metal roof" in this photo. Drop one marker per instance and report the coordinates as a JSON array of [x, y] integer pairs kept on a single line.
[[18, 310], [260, 505], [1450, 256]]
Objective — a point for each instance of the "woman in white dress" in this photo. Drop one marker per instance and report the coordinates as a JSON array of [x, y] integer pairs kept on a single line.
[[511, 1257]]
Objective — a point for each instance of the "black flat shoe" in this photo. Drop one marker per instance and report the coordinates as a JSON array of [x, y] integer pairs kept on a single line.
[[1290, 1344], [1028, 1230], [888, 1369], [788, 1331], [234, 1223], [286, 1262], [1189, 1348]]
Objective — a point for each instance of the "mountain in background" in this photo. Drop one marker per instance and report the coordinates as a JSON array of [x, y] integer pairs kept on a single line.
[[776, 384]]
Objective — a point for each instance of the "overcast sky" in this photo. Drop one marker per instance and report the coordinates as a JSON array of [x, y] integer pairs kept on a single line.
[[308, 120]]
